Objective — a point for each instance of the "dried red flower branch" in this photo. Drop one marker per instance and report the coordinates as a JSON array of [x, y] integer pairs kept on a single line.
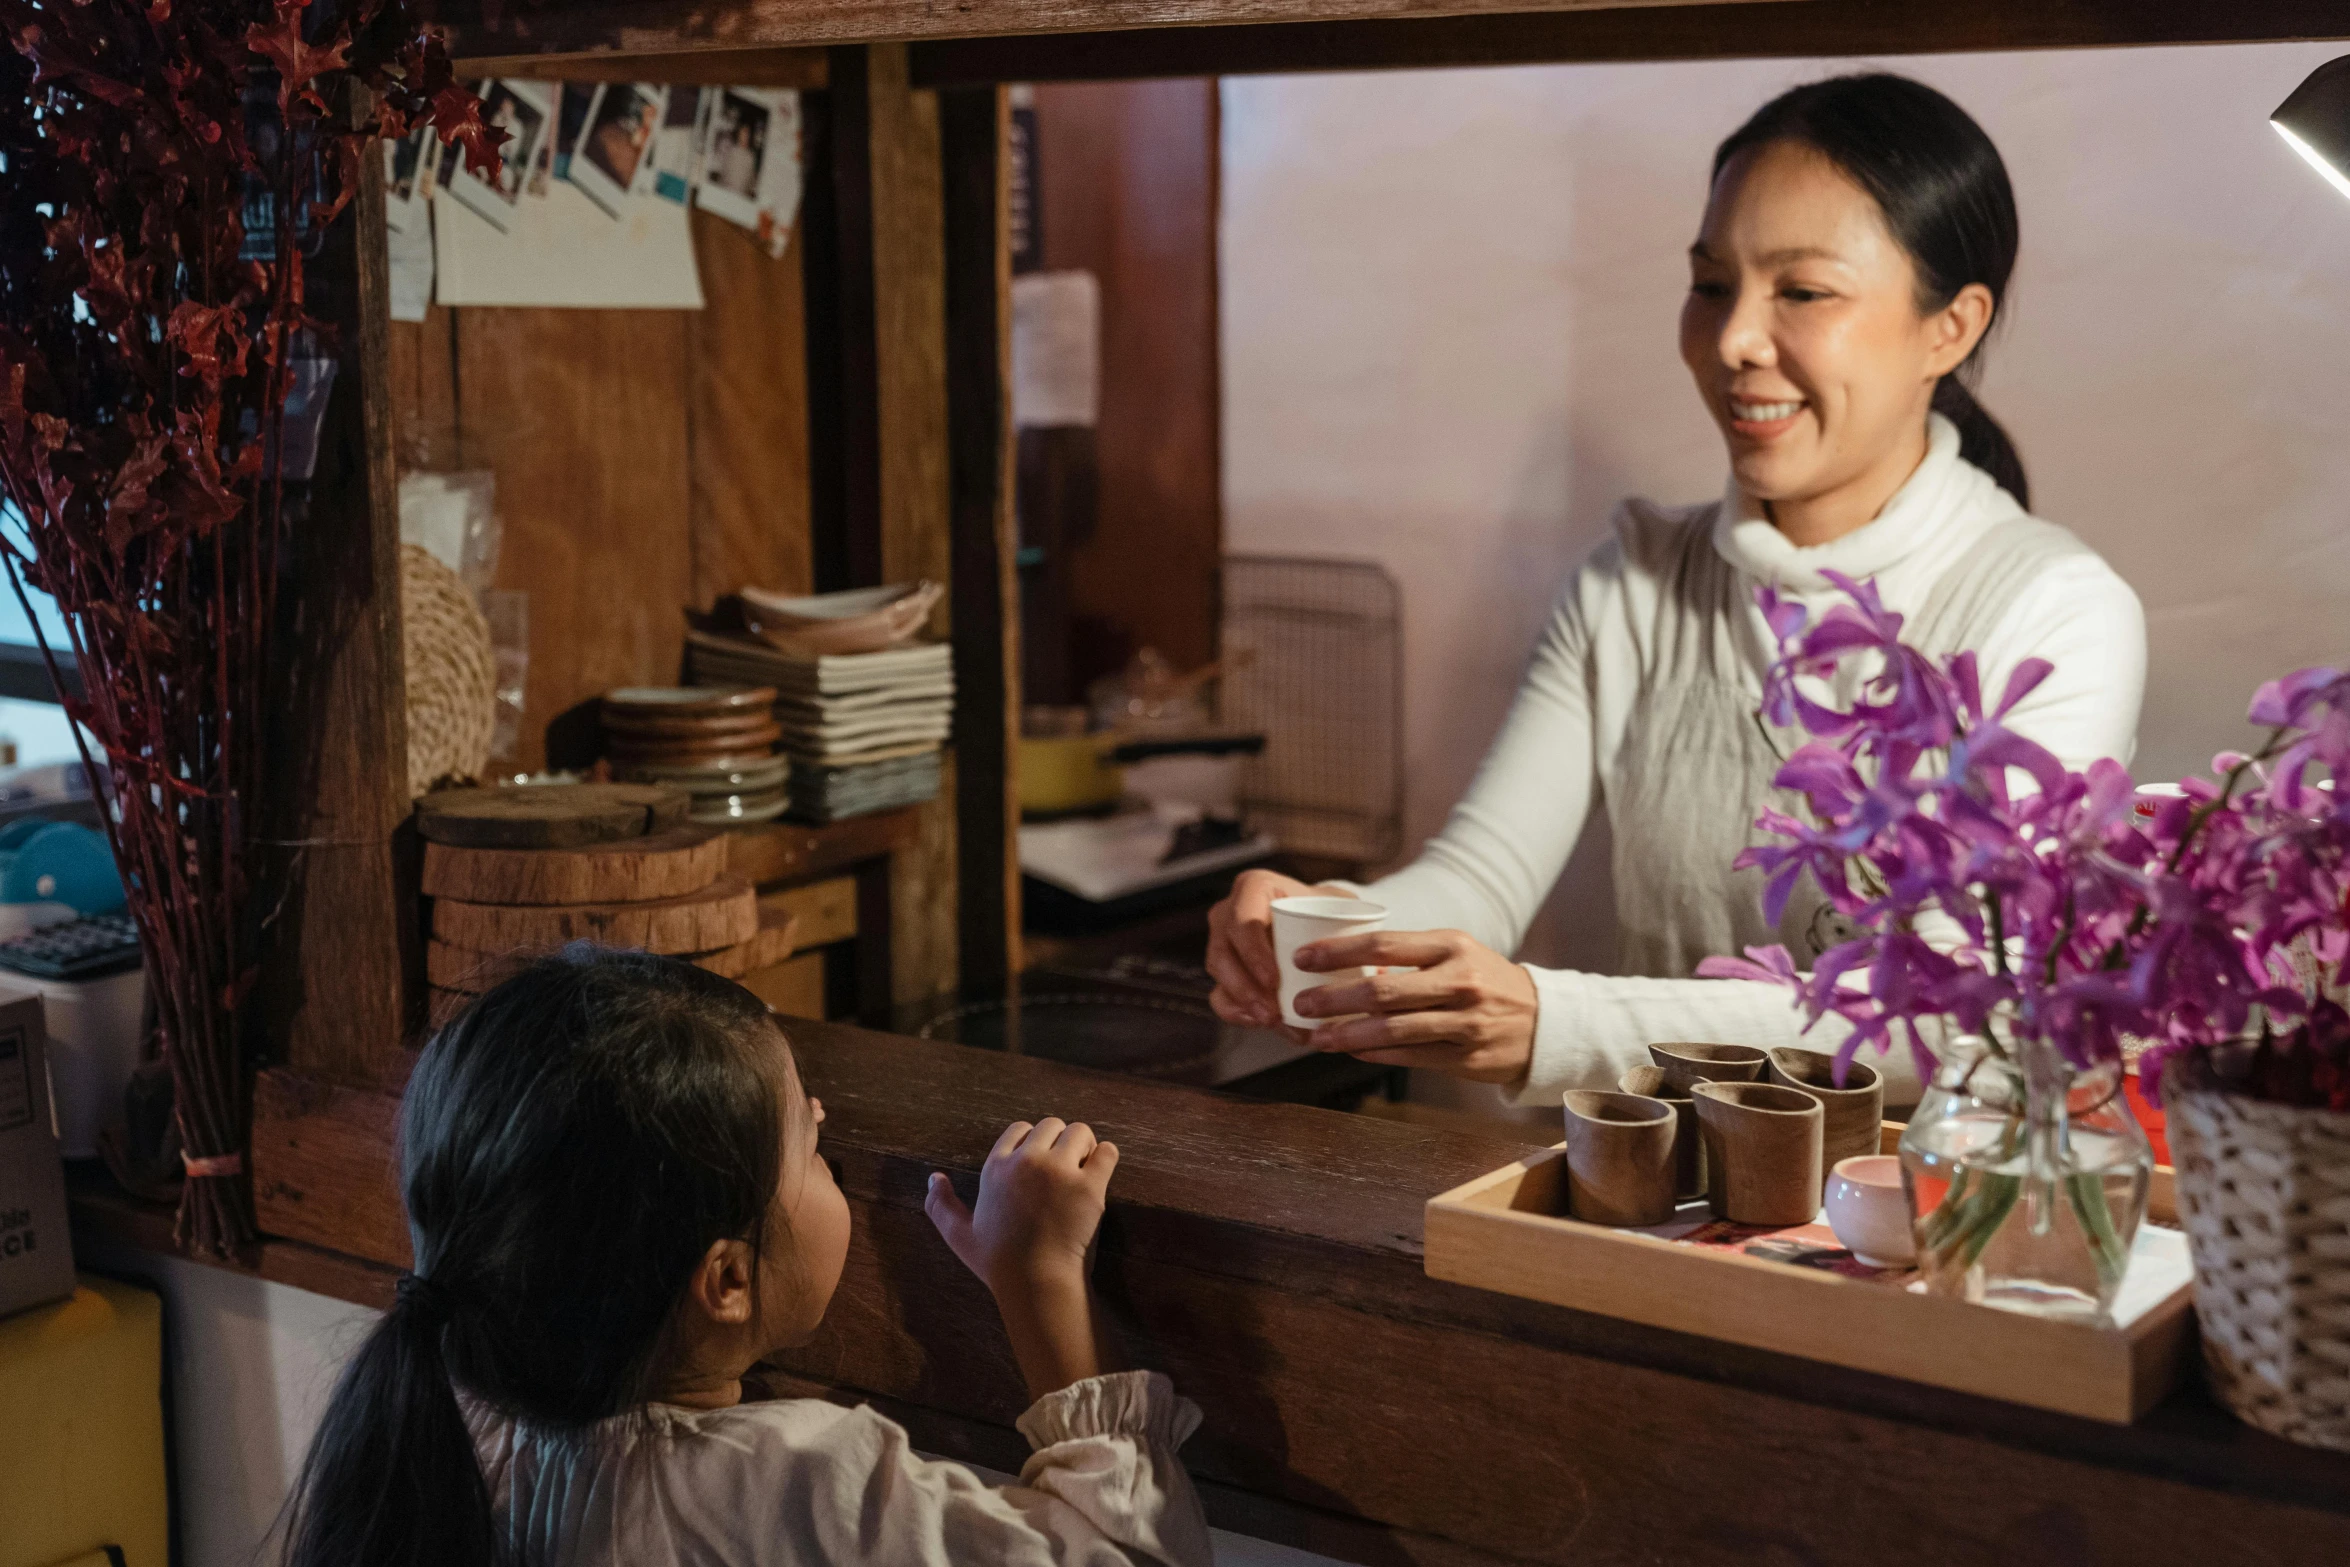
[[165, 170]]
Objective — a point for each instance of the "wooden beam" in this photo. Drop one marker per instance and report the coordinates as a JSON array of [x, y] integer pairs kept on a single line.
[[973, 125], [764, 67], [1674, 32], [486, 29], [342, 969], [908, 269]]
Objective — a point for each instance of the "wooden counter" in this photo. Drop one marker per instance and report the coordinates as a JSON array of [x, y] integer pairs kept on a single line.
[[1268, 1256]]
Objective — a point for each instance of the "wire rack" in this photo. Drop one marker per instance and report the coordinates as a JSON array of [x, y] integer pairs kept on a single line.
[[1313, 653]]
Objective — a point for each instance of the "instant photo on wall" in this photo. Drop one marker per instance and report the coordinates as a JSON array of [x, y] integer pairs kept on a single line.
[[570, 118], [613, 158], [751, 161], [677, 148], [525, 112]]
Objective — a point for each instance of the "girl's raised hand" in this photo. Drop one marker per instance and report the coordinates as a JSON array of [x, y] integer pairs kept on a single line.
[[1040, 1199]]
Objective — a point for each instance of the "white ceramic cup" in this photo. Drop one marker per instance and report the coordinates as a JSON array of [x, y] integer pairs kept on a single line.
[[1869, 1211], [1297, 921]]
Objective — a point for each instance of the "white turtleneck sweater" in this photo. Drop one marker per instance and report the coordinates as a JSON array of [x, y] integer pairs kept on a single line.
[[1493, 865]]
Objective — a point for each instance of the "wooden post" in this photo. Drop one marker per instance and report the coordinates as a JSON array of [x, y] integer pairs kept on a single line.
[[877, 397], [972, 124], [342, 944]]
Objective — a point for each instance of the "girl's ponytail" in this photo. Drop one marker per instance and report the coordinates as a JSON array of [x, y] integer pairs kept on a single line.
[[391, 1480], [571, 1146]]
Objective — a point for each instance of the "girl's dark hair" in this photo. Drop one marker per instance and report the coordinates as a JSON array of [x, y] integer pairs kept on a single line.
[[1945, 196], [571, 1146]]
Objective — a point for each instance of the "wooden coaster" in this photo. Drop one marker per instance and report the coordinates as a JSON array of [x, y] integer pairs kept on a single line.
[[548, 816], [689, 701], [720, 915], [675, 749], [773, 944], [722, 762], [634, 870], [462, 971], [634, 725]]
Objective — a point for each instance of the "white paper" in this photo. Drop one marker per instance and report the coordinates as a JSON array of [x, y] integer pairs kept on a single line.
[[410, 250], [568, 251], [407, 177], [1056, 350], [750, 171]]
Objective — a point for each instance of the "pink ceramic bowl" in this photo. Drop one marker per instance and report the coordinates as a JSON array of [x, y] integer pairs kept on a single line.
[[1869, 1211]]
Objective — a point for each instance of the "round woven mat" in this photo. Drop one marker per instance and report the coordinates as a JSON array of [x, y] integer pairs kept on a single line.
[[2264, 1196], [452, 677]]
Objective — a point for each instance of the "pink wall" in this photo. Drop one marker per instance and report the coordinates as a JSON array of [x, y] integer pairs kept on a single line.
[[1448, 337]]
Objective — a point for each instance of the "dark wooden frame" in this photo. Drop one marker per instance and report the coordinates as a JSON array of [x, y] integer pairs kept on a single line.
[[1269, 1256]]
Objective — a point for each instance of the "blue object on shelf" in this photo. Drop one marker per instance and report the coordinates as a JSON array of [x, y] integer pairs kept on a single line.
[[59, 862]]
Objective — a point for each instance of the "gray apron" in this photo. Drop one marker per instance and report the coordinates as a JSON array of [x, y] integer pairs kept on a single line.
[[1696, 764]]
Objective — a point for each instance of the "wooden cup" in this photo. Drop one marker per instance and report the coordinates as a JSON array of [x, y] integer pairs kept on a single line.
[[1687, 1065], [1688, 1147], [1619, 1157], [1762, 1152], [1855, 1113]]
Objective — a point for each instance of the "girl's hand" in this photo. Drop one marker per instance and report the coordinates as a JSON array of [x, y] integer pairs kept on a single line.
[[1240, 947], [1041, 1194], [1457, 1006]]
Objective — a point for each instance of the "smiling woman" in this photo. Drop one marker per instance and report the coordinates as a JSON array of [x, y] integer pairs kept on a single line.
[[1854, 251]]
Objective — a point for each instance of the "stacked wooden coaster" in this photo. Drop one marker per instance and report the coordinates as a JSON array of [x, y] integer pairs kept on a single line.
[[716, 743], [514, 873]]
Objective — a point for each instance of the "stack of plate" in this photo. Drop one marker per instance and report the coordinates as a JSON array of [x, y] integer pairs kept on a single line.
[[717, 743], [863, 730]]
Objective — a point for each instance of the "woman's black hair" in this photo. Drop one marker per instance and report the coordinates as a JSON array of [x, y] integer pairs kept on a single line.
[[571, 1147], [1945, 195]]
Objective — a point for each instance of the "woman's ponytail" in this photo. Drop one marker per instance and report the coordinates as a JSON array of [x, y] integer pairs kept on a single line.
[[391, 1480], [1981, 440]]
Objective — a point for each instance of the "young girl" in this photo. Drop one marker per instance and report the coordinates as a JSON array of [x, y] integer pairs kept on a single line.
[[618, 1208]]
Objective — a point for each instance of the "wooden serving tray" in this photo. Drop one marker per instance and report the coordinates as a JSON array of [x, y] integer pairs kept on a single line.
[[1505, 1231]]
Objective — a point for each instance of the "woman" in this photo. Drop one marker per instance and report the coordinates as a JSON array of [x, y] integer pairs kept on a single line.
[[1855, 249]]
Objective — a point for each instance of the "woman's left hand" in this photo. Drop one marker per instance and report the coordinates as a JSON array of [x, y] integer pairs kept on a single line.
[[1449, 1003]]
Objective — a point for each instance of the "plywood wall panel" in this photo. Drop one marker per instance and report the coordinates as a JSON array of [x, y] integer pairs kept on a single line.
[[749, 417], [583, 416]]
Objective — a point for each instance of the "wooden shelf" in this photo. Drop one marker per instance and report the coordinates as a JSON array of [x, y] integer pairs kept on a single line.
[[795, 851], [103, 1211]]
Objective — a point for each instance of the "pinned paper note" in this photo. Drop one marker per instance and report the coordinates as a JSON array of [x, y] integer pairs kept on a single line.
[[1056, 350]]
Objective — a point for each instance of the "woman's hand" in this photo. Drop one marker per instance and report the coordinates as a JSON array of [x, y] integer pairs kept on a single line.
[[1041, 1194], [1240, 947], [1456, 1005]]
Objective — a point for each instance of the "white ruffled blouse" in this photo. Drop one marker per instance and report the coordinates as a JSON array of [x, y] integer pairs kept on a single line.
[[802, 1482]]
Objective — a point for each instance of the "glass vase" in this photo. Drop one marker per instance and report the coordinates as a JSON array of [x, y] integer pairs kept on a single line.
[[2026, 1180]]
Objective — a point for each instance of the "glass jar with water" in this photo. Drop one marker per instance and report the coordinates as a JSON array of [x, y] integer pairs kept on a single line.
[[2026, 1178]]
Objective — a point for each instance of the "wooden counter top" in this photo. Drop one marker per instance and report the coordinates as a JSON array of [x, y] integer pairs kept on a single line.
[[1268, 1257]]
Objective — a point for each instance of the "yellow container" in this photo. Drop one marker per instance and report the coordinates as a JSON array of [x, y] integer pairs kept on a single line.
[[81, 1444]]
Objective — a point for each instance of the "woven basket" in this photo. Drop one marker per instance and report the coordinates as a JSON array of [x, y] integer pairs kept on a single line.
[[2264, 1193], [452, 677]]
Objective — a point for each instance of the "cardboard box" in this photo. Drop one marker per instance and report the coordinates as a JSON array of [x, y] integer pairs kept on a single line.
[[36, 1252]]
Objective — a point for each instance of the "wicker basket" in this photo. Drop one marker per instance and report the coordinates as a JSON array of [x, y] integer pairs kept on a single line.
[[452, 677], [2264, 1193]]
